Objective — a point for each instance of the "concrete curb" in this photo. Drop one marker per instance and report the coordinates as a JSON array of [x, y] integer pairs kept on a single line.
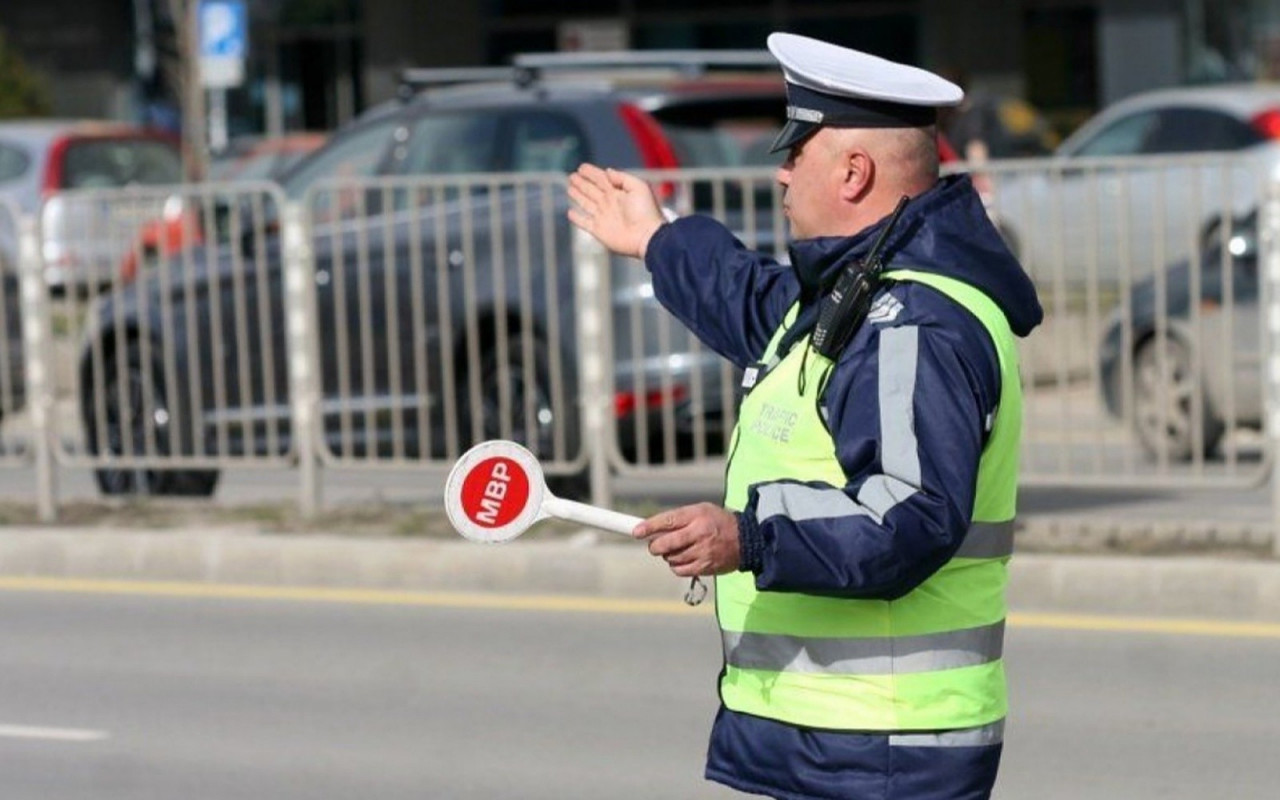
[[1203, 587], [1175, 586]]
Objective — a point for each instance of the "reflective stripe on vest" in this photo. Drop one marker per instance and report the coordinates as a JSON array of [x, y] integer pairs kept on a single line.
[[799, 502], [881, 655], [968, 737], [929, 661]]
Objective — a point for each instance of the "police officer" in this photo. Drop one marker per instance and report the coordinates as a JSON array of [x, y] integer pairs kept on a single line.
[[868, 513]]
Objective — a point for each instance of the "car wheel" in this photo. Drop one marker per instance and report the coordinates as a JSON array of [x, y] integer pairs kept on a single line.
[[1164, 399], [125, 421], [523, 395]]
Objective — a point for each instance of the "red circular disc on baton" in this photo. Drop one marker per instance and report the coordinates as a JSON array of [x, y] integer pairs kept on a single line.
[[494, 492]]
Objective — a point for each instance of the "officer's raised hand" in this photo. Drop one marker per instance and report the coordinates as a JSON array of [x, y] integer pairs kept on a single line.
[[617, 208], [700, 539]]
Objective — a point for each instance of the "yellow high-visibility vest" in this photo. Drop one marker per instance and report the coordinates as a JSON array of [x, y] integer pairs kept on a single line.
[[930, 660]]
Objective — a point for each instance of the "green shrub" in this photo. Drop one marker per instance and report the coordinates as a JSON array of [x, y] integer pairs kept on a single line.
[[22, 92]]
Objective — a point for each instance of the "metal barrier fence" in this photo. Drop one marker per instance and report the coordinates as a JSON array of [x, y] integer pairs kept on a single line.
[[14, 447], [1148, 369], [169, 313], [390, 323], [676, 400], [445, 316]]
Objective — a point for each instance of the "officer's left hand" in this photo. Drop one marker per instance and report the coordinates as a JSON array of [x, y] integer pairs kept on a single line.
[[616, 207], [700, 539]]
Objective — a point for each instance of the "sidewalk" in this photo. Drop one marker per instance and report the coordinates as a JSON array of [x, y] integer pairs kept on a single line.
[[1219, 587]]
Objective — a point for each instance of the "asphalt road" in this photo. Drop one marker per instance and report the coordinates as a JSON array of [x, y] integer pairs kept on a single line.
[[116, 697]]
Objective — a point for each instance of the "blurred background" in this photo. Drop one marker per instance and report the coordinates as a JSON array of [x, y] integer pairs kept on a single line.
[[164, 152], [312, 65], [270, 266]]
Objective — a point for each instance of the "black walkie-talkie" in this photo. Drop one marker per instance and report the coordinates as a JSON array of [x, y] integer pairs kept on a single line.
[[844, 308]]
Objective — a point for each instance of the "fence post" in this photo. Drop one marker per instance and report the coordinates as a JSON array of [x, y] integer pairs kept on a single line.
[[36, 332], [595, 385], [1269, 242], [300, 336]]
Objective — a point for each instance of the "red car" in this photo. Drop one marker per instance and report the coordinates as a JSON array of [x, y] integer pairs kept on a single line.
[[180, 227], [40, 159]]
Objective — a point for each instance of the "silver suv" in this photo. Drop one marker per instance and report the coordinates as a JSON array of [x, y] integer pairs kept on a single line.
[[461, 293]]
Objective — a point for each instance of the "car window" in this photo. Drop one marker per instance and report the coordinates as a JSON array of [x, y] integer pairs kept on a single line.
[[723, 132], [449, 144], [546, 142], [1198, 130], [13, 163], [110, 163], [256, 167], [355, 155], [1124, 137]]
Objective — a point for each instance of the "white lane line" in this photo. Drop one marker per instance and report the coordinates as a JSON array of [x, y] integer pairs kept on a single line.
[[51, 734]]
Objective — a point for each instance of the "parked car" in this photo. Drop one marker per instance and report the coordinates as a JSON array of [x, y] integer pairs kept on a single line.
[[12, 361], [1114, 199], [12, 355], [1180, 371], [181, 224], [259, 158], [82, 236], [365, 243]]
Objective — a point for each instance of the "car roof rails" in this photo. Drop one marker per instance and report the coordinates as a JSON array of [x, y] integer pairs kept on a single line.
[[693, 62], [415, 79], [528, 68]]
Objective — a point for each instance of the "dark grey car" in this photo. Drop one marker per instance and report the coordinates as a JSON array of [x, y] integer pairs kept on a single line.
[[445, 315], [1181, 360], [12, 361]]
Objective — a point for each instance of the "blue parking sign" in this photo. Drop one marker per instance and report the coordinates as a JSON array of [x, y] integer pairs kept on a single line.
[[224, 42]]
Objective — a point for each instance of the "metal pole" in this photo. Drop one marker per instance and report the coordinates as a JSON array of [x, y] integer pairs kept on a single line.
[[193, 109], [217, 120], [591, 279], [1269, 239], [36, 332], [302, 354]]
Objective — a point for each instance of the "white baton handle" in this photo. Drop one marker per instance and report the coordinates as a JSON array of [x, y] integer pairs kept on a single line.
[[594, 516]]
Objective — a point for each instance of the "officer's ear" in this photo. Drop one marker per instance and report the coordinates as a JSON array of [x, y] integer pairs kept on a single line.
[[859, 174]]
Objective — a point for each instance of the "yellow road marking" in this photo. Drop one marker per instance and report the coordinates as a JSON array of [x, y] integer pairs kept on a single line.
[[603, 605], [511, 602], [1183, 627]]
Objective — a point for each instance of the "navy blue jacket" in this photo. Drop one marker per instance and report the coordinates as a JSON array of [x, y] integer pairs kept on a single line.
[[734, 300]]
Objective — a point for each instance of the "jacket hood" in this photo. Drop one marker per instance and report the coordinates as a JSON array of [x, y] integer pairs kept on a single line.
[[945, 231]]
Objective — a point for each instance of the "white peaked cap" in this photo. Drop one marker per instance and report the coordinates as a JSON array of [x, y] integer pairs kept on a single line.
[[835, 86], [843, 72]]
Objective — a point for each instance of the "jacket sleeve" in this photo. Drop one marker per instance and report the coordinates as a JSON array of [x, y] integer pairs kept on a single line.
[[907, 410], [732, 298]]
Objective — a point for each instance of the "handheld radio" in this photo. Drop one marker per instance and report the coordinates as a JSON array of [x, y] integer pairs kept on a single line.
[[844, 308]]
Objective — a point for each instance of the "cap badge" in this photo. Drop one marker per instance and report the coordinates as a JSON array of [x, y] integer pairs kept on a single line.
[[804, 114]]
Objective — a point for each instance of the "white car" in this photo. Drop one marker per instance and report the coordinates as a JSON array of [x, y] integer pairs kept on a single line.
[[59, 169], [1145, 182]]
